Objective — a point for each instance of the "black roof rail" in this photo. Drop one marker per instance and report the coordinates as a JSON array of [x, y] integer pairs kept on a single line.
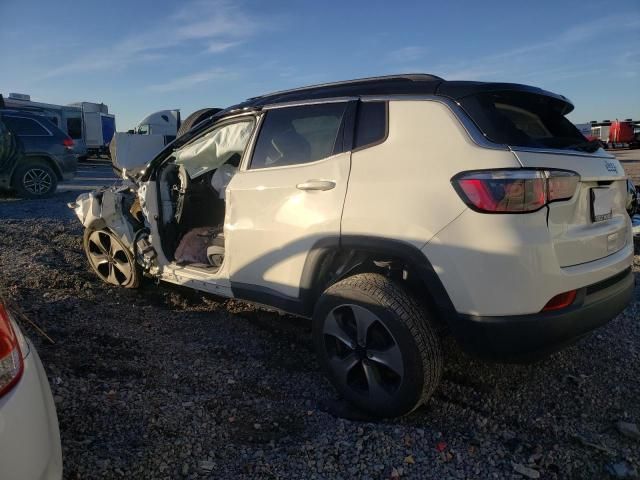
[[413, 77]]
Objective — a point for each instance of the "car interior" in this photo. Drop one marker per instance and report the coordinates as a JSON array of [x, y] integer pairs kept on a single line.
[[192, 195], [192, 183]]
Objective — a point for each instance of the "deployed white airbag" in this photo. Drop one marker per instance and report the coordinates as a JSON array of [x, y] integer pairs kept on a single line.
[[221, 178], [214, 148]]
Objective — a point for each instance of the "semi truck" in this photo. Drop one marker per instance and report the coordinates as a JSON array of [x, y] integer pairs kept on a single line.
[[146, 139], [151, 135]]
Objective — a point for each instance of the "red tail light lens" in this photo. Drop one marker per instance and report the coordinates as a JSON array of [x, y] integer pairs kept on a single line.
[[67, 142], [514, 190], [11, 365], [560, 301]]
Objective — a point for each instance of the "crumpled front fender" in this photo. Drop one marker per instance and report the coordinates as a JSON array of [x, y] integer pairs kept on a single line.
[[88, 208], [103, 208]]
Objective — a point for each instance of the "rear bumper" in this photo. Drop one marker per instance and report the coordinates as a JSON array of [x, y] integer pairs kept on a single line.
[[529, 337], [68, 166]]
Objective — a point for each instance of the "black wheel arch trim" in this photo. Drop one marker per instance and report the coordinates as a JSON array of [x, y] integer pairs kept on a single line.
[[333, 258]]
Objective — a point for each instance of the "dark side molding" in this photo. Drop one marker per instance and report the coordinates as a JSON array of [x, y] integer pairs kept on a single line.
[[517, 338]]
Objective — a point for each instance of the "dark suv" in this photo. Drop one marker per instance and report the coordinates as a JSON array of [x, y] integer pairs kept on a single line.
[[37, 157]]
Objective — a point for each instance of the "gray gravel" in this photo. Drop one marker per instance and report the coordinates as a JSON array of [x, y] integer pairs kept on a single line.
[[167, 383]]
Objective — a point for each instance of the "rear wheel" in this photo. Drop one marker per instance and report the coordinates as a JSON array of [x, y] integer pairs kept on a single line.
[[34, 179], [377, 345], [110, 258]]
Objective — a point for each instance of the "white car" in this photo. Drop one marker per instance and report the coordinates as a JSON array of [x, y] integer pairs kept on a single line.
[[388, 210], [29, 437]]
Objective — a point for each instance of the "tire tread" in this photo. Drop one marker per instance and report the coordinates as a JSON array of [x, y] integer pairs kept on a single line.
[[394, 297]]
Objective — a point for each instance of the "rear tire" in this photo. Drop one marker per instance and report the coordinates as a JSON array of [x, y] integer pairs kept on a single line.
[[377, 345], [34, 179], [195, 118]]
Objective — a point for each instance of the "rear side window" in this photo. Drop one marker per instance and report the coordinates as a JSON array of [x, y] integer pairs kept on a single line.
[[525, 120], [371, 124], [25, 126], [303, 134]]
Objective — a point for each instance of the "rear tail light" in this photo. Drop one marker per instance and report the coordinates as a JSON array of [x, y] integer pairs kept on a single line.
[[560, 301], [67, 142], [514, 190], [11, 365]]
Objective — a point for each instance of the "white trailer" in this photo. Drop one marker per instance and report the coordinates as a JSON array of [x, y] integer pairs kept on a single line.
[[98, 126]]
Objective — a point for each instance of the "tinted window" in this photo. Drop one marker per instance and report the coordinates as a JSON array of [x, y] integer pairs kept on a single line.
[[24, 126], [303, 134], [371, 124], [74, 128], [524, 119]]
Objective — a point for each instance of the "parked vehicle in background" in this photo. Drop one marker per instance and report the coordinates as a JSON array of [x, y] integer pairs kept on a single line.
[[633, 198], [584, 129], [90, 125], [163, 122], [46, 154], [617, 133], [386, 209], [622, 135], [151, 135], [29, 435], [11, 152], [98, 127]]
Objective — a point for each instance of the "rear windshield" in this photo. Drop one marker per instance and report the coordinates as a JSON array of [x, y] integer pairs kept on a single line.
[[525, 120]]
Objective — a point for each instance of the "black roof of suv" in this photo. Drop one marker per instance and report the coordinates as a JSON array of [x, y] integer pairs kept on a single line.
[[402, 84], [409, 84]]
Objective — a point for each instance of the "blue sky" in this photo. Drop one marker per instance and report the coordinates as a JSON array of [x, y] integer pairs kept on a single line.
[[141, 56]]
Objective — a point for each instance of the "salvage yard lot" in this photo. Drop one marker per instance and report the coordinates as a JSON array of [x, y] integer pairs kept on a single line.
[[167, 383], [630, 160]]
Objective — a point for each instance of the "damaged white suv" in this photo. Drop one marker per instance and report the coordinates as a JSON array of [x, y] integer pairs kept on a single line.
[[389, 210]]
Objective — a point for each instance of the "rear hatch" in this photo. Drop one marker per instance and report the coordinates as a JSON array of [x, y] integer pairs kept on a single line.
[[592, 224]]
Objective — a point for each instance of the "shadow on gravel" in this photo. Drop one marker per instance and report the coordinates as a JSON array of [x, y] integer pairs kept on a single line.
[[162, 380]]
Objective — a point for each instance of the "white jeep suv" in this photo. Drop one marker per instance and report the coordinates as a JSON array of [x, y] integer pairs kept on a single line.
[[388, 210]]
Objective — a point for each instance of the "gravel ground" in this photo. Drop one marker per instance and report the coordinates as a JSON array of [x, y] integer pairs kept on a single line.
[[167, 383]]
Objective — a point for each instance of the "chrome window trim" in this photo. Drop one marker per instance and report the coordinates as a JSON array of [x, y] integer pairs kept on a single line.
[[600, 153], [50, 134], [315, 101]]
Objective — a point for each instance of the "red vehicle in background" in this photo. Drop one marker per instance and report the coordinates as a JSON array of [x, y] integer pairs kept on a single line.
[[622, 135]]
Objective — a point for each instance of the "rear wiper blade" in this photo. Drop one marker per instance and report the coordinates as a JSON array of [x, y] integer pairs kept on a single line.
[[588, 146]]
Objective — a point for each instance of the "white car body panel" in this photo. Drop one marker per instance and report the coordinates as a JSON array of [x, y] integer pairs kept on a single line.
[[575, 237], [400, 189], [29, 437], [506, 264], [271, 224]]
